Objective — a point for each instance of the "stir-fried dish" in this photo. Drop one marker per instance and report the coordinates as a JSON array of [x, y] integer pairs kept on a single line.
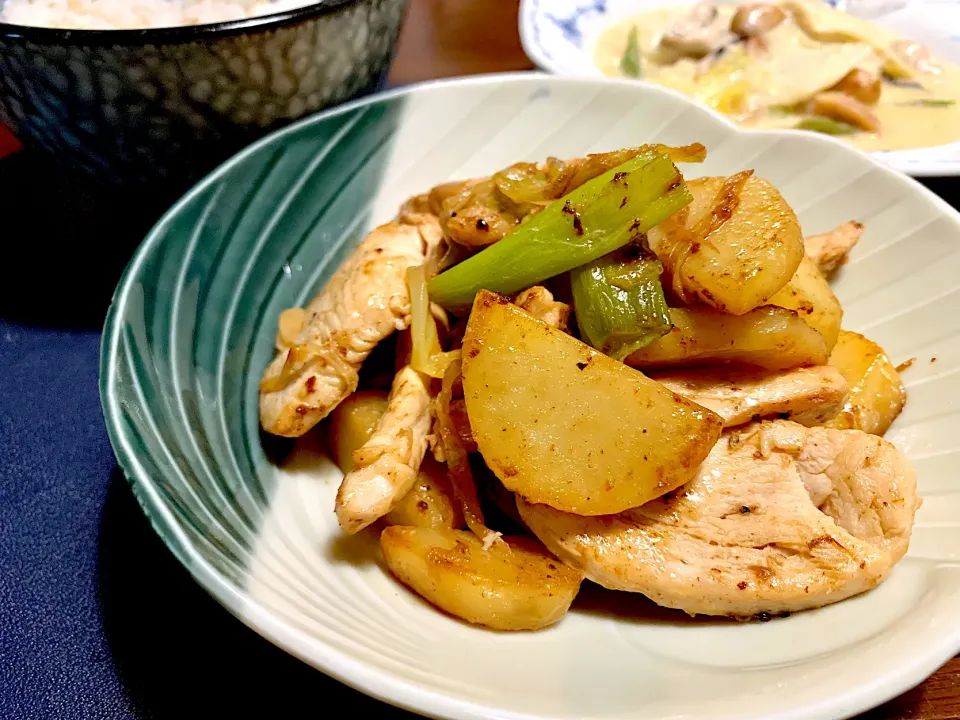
[[594, 368], [793, 64]]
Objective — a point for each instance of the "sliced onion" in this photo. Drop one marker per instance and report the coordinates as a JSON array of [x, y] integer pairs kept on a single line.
[[458, 461], [299, 358], [423, 328], [289, 326], [426, 355]]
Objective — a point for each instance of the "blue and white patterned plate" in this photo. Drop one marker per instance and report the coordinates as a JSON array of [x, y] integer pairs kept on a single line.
[[559, 36]]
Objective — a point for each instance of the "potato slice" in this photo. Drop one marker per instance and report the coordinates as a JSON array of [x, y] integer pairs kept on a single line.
[[738, 244], [352, 423], [772, 338], [430, 503], [809, 294], [876, 393], [705, 191], [564, 425], [513, 585]]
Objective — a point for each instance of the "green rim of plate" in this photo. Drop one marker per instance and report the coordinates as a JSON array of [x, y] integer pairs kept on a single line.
[[122, 377], [129, 391], [151, 456]]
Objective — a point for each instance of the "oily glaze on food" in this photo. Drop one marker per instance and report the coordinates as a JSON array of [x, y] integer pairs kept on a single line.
[[793, 63], [602, 370]]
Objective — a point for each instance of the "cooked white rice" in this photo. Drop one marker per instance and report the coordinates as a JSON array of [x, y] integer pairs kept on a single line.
[[133, 14]]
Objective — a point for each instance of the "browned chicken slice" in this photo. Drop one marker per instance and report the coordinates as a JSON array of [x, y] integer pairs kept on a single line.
[[365, 301], [479, 214], [387, 464], [779, 518], [829, 250], [539, 302], [481, 211], [809, 396]]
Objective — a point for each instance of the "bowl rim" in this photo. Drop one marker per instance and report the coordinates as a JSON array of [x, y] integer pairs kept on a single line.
[[335, 663], [175, 34], [920, 162]]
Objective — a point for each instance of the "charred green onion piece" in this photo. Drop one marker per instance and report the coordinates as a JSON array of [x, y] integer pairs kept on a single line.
[[598, 217], [619, 301], [630, 62], [827, 126]]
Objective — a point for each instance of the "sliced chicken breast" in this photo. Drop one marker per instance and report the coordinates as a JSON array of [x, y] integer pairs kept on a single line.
[[779, 518], [365, 301], [829, 250], [539, 302], [810, 396], [388, 463]]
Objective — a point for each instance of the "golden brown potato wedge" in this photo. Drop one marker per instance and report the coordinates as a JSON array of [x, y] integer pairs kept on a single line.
[[430, 503], [705, 191], [736, 246], [809, 294], [876, 393], [352, 423], [513, 585], [564, 425], [772, 338]]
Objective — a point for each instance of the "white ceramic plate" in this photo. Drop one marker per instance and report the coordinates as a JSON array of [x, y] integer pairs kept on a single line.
[[193, 323], [559, 37]]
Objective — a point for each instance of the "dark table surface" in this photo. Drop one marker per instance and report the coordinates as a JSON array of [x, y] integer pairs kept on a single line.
[[97, 619]]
